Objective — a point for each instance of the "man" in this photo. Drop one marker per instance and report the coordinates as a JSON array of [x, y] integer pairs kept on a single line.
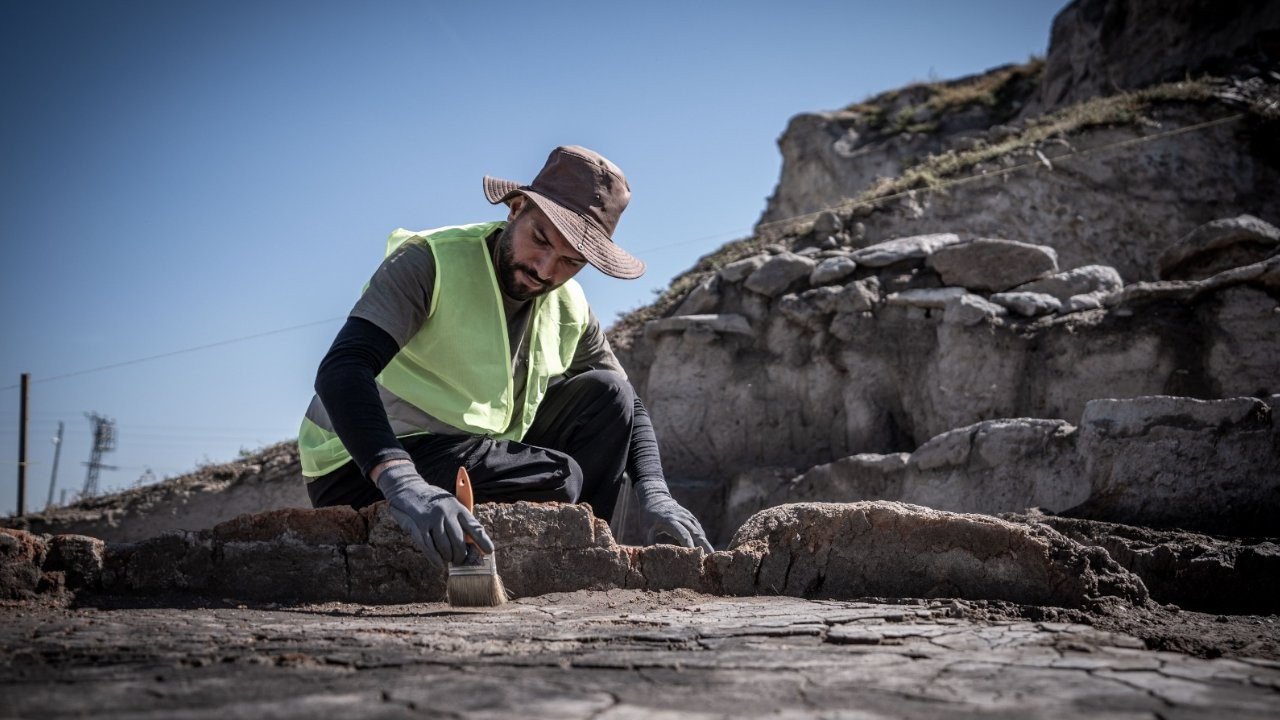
[[472, 345]]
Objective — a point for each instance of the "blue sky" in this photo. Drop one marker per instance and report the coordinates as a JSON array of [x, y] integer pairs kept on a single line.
[[177, 174]]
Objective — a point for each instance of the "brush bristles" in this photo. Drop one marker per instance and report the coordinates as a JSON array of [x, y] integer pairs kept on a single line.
[[475, 583], [475, 591]]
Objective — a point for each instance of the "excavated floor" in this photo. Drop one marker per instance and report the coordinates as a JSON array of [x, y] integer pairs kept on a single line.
[[628, 654]]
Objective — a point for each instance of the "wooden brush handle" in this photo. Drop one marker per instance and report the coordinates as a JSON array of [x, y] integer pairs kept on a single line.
[[463, 490]]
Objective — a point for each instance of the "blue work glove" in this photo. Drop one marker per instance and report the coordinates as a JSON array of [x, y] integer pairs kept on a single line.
[[433, 517], [669, 518]]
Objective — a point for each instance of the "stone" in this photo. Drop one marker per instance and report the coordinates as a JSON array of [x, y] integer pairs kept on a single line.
[[79, 558], [1203, 465], [886, 549], [997, 466], [176, 561], [779, 273], [970, 309], [811, 307], [725, 324], [739, 270], [555, 547], [21, 555], [800, 309], [387, 567], [1104, 47], [906, 248], [704, 298], [832, 270], [927, 298], [825, 299], [1086, 280], [324, 526], [668, 567], [859, 296], [1218, 245], [827, 223], [1079, 303], [993, 264], [1028, 304]]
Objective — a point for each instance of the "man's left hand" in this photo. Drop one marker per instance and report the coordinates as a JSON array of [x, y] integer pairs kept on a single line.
[[669, 518]]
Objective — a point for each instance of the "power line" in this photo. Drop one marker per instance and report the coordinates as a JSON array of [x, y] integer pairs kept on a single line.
[[149, 358], [793, 220]]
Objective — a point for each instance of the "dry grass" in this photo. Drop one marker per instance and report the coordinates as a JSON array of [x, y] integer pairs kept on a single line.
[[1123, 109], [940, 98]]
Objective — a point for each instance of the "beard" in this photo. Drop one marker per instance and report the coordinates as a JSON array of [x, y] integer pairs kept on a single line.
[[512, 285]]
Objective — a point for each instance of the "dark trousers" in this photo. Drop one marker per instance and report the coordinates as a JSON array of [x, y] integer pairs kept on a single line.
[[575, 451]]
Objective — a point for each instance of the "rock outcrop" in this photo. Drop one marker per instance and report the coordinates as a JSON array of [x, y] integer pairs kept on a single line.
[[804, 550], [829, 157], [1090, 181], [892, 550], [266, 480], [1098, 47], [887, 357], [1160, 462], [1217, 246]]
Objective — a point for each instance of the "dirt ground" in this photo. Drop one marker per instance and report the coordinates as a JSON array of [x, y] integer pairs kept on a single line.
[[630, 654]]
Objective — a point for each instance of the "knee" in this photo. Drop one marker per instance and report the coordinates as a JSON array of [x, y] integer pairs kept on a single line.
[[611, 385], [568, 479]]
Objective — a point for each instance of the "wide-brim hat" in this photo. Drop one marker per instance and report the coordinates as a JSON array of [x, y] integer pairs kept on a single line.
[[583, 194]]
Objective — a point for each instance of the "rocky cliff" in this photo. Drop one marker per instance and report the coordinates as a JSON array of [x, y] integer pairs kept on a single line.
[[1016, 246]]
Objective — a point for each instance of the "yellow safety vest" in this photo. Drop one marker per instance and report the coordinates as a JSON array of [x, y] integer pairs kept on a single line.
[[458, 367]]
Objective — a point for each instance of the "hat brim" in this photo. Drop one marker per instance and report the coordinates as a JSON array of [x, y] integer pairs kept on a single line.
[[583, 234]]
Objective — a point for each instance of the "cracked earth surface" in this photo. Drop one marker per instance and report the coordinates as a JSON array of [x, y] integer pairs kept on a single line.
[[608, 655]]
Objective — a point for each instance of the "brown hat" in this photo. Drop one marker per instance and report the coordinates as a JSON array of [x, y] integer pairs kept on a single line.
[[583, 194]]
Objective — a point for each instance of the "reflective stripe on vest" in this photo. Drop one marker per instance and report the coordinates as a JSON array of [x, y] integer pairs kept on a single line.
[[457, 368]]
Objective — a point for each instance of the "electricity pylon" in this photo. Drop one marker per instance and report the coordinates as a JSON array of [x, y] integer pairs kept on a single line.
[[104, 440]]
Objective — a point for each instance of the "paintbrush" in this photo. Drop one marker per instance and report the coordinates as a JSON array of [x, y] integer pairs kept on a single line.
[[475, 582]]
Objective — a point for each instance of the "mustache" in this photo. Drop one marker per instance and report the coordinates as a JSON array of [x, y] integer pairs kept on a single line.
[[531, 273]]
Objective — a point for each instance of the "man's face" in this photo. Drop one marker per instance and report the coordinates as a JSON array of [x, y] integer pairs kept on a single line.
[[533, 256]]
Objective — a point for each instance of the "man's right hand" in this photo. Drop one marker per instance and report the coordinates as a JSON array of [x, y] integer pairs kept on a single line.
[[433, 517]]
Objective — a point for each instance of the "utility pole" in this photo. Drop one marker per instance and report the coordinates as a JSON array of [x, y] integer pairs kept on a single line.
[[53, 478], [22, 445], [104, 440]]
